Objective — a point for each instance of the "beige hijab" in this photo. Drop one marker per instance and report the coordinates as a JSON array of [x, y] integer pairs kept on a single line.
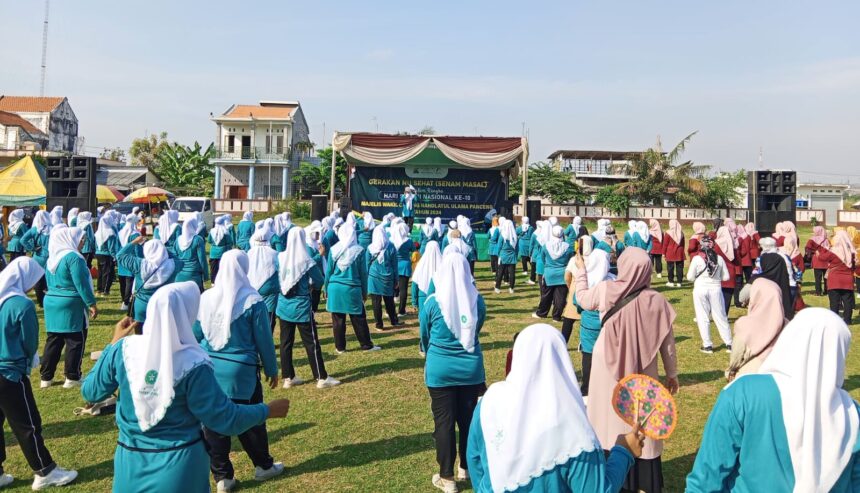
[[757, 331]]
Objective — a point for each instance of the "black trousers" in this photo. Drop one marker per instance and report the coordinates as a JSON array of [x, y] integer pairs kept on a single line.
[[452, 406], [409, 220], [842, 301], [508, 273], [403, 288], [41, 288], [586, 373], [567, 325], [89, 258], [359, 326], [552, 296], [2, 262], [214, 263], [472, 267], [739, 284], [727, 298], [255, 442], [74, 343], [676, 270], [125, 284], [533, 272], [820, 285], [18, 407], [311, 341], [526, 261], [748, 270], [494, 263], [377, 301], [106, 274], [657, 262], [316, 294]]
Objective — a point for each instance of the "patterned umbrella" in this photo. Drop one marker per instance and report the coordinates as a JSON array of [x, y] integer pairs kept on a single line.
[[106, 194], [148, 195]]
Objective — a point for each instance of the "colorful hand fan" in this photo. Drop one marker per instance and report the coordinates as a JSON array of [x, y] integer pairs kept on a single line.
[[644, 399]]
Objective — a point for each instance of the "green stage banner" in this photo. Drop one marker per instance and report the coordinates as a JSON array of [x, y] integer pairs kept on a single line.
[[444, 192]]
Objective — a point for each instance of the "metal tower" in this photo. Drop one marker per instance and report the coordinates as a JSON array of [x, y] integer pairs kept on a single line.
[[44, 49]]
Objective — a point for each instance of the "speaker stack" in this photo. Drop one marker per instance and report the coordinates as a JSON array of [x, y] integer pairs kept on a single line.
[[345, 206], [319, 207], [533, 210], [71, 182], [772, 198]]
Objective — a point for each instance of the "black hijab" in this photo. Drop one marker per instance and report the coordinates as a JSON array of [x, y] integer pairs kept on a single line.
[[773, 268]]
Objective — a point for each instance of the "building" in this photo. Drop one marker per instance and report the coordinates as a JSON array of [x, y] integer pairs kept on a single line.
[[259, 147], [19, 135], [594, 169], [826, 197], [123, 177], [53, 116]]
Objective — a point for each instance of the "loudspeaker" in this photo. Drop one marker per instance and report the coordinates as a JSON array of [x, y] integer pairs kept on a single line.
[[318, 207], [506, 209], [772, 198], [71, 182], [345, 206], [533, 210]]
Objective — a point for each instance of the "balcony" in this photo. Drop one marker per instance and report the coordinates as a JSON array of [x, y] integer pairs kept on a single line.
[[253, 154], [596, 168]]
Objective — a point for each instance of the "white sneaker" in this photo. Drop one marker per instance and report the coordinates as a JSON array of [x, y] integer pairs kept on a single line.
[[525, 272], [70, 384], [511, 290], [261, 474], [6, 480], [374, 348], [338, 351], [225, 485], [531, 282], [44, 384], [659, 276], [292, 382], [328, 382], [535, 315], [397, 299], [497, 290], [445, 485], [57, 477], [123, 307], [462, 474]]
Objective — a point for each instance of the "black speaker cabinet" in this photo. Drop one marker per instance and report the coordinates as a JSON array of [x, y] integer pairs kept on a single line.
[[533, 210], [772, 198], [345, 205], [506, 209], [319, 206], [71, 182]]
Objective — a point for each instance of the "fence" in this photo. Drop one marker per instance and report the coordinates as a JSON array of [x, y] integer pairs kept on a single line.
[[236, 206], [682, 214], [848, 218]]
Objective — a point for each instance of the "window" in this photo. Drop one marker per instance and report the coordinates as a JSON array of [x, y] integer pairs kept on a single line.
[[231, 143], [279, 144], [268, 144]]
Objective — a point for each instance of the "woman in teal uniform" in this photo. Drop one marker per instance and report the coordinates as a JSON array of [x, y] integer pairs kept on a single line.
[[539, 239], [107, 246], [791, 426], [507, 255], [574, 231], [524, 243], [313, 232], [464, 226], [19, 343], [167, 390], [245, 230], [190, 251], [296, 271], [126, 235], [150, 269], [263, 267], [606, 240], [281, 226], [381, 277], [556, 254], [597, 270], [69, 306], [168, 229], [449, 323], [220, 241], [346, 288], [530, 432], [72, 217], [427, 234], [402, 243], [35, 240], [366, 227], [233, 328], [493, 243], [17, 229], [407, 205], [84, 221], [202, 229], [422, 278]]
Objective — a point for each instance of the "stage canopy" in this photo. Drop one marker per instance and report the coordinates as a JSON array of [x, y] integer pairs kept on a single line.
[[22, 184]]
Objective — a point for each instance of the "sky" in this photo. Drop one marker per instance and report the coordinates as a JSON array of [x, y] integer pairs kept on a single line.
[[748, 75]]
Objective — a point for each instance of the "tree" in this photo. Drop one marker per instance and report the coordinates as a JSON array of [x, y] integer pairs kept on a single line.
[[545, 181], [319, 176], [724, 190], [427, 130], [187, 169], [613, 199], [115, 154], [654, 172], [145, 151]]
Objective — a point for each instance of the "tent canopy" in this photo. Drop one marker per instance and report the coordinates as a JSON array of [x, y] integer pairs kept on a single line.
[[23, 184]]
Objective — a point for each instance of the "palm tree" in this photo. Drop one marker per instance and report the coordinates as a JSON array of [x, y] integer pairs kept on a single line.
[[654, 172]]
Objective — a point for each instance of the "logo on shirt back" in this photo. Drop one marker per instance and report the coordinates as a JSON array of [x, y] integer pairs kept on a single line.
[[151, 377], [464, 319]]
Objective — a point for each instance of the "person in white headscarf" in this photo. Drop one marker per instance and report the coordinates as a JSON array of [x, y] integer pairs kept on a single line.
[[317, 251], [202, 228], [507, 255], [386, 220], [574, 231], [556, 254], [464, 226], [440, 229], [69, 305], [427, 233], [245, 230], [450, 322], [190, 252], [403, 245], [328, 235], [221, 240], [792, 421], [126, 236], [422, 278], [233, 328], [150, 267], [57, 215], [297, 272], [167, 390], [282, 223], [493, 236], [525, 231], [168, 228], [366, 226], [346, 288], [36, 241], [539, 238], [530, 432], [452, 226], [17, 229], [84, 221], [72, 218], [19, 344], [263, 266], [382, 277], [408, 201], [107, 246]]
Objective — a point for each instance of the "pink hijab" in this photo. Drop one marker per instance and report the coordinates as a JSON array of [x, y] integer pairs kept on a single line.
[[654, 229], [761, 326], [741, 232], [676, 233], [732, 228], [698, 229], [750, 229], [790, 230], [819, 236], [843, 248], [789, 247], [726, 243]]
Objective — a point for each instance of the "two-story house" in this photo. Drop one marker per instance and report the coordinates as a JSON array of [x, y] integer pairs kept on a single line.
[[53, 116], [258, 149], [19, 135]]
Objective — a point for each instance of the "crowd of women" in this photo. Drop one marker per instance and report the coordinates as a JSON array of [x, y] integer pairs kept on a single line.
[[187, 366]]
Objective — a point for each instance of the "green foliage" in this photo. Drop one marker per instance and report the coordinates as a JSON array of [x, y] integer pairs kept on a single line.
[[298, 208], [545, 181], [427, 130], [144, 152], [721, 192], [115, 154], [655, 172], [813, 221], [319, 177], [613, 198], [186, 169]]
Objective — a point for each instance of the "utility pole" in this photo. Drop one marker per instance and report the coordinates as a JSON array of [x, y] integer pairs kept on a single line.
[[44, 49]]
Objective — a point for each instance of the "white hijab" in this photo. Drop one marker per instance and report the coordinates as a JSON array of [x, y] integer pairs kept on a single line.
[[62, 242], [261, 256], [427, 228], [642, 231], [821, 422], [167, 225], [597, 268], [327, 224], [399, 234], [248, 216], [508, 232], [84, 219], [538, 235], [128, 229], [346, 249], [378, 245], [166, 352], [42, 222], [464, 225], [535, 419], [227, 299], [457, 245], [18, 277], [600, 234], [556, 246], [219, 230], [57, 215], [437, 225], [311, 230], [187, 235], [427, 266], [73, 213], [553, 221], [369, 223], [458, 298], [524, 223], [157, 266], [409, 196], [105, 231], [294, 261], [201, 224], [16, 220]]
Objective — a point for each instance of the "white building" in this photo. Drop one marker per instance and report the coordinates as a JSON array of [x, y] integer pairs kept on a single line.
[[258, 149], [826, 197], [17, 134], [53, 116]]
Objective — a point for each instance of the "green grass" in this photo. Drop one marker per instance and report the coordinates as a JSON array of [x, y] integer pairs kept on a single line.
[[373, 433]]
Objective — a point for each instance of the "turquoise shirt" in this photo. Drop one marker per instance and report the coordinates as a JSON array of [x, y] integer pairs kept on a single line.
[[448, 364], [470, 240], [405, 211], [278, 242], [536, 256], [70, 293], [296, 305], [136, 250], [2, 237], [244, 232], [365, 238], [109, 247], [329, 239], [419, 297], [14, 244], [198, 400], [553, 268], [89, 245], [218, 249], [346, 289], [250, 343], [745, 445], [589, 327], [589, 471], [634, 240], [493, 243], [507, 253], [19, 337], [271, 289], [404, 258], [382, 275], [571, 234], [193, 261], [524, 243], [130, 260], [37, 244], [434, 236]]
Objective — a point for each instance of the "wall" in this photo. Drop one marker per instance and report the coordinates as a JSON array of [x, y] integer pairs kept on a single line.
[[238, 206], [238, 175], [848, 218], [63, 128]]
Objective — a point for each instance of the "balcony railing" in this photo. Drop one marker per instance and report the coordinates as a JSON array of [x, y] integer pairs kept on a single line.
[[594, 167], [262, 154]]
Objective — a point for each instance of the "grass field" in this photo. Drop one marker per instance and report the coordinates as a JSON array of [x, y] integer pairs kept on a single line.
[[373, 433]]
